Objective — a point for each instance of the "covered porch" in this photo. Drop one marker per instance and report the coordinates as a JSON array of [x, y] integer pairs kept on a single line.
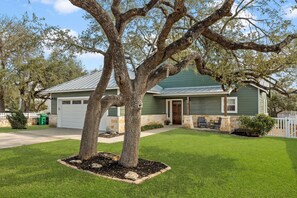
[[186, 106]]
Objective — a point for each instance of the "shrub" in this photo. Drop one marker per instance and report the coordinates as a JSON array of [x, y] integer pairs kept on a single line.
[[17, 120], [151, 126], [167, 122], [261, 124]]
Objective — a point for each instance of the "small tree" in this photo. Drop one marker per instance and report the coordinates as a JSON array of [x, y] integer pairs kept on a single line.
[[17, 120], [261, 124]]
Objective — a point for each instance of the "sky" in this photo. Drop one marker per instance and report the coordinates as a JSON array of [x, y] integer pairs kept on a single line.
[[63, 14]]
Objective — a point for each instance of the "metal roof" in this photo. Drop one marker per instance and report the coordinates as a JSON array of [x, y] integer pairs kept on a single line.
[[89, 83], [193, 91]]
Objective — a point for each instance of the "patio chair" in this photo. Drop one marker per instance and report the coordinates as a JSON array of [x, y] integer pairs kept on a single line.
[[201, 122], [217, 124]]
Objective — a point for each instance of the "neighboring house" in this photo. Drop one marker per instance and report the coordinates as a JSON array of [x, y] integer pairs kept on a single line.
[[175, 98]]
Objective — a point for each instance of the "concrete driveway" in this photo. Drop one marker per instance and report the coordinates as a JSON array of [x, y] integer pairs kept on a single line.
[[8, 140], [37, 136]]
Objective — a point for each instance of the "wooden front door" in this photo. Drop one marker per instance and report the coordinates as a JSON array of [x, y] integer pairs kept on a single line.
[[176, 112]]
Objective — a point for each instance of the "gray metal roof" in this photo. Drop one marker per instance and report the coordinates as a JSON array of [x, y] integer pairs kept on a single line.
[[193, 91], [89, 83]]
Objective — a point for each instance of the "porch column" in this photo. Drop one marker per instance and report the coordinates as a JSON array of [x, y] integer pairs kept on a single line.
[[188, 105], [225, 105], [225, 124]]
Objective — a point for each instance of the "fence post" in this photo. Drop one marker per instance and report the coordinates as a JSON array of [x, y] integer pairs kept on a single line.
[[287, 127]]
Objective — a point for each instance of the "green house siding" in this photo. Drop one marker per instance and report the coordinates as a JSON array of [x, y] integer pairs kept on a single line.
[[247, 100], [188, 78], [247, 103], [71, 94], [153, 105], [205, 105], [113, 111]]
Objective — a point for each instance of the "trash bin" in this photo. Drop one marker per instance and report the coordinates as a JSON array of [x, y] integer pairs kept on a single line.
[[42, 119]]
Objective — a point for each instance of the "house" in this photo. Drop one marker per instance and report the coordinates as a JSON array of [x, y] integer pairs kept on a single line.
[[181, 99]]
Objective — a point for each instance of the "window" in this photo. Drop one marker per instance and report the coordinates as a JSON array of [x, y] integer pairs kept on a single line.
[[231, 104], [86, 101], [76, 101], [66, 102]]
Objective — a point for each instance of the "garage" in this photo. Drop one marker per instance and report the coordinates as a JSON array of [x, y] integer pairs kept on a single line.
[[71, 113]]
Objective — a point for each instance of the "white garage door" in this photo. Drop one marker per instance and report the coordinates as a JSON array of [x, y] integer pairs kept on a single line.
[[71, 114]]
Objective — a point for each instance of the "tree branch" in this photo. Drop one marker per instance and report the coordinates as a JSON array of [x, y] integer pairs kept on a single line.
[[179, 11], [186, 40], [229, 44], [101, 16], [111, 100]]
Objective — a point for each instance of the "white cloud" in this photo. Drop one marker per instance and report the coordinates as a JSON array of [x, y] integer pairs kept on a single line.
[[64, 7], [290, 13], [71, 32], [91, 60], [61, 6]]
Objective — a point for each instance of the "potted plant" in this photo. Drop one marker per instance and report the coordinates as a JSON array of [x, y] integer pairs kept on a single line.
[[167, 122]]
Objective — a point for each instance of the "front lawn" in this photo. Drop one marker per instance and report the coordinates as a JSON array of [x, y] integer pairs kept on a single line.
[[203, 165], [33, 127]]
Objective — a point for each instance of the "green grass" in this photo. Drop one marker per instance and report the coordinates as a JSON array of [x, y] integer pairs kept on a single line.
[[203, 165], [33, 127]]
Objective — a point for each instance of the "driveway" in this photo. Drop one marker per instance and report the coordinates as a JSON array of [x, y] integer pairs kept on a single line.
[[8, 140]]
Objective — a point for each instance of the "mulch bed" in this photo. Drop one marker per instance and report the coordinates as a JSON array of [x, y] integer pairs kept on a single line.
[[113, 170]]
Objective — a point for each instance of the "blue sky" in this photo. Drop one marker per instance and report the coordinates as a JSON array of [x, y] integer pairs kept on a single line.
[[66, 16]]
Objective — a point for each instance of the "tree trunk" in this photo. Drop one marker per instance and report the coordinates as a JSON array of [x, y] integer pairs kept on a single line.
[[130, 151], [88, 144], [2, 102], [89, 139]]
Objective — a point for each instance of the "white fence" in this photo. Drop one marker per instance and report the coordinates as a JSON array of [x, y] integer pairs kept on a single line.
[[28, 115], [284, 127]]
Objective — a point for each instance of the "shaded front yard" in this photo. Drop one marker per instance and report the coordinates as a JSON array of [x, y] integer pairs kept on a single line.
[[203, 165], [30, 128]]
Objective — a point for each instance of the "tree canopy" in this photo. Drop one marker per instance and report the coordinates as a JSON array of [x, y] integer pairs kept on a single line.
[[24, 70], [159, 38]]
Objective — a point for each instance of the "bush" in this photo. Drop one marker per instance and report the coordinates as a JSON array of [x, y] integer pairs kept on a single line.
[[261, 124], [17, 120], [151, 126], [167, 122]]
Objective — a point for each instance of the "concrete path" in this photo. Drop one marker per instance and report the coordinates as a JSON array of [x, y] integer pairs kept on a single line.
[[8, 140]]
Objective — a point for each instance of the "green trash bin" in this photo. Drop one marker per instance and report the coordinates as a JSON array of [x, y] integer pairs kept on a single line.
[[42, 119]]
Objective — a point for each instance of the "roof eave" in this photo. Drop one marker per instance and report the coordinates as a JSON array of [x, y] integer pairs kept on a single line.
[[193, 94], [75, 90]]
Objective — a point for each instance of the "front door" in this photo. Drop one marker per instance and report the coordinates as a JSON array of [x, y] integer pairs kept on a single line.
[[176, 112]]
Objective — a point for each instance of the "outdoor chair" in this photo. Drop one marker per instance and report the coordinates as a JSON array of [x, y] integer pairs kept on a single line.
[[201, 122], [217, 124]]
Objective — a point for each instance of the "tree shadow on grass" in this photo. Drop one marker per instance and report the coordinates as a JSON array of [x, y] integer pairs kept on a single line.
[[182, 131], [291, 146], [189, 174], [34, 163]]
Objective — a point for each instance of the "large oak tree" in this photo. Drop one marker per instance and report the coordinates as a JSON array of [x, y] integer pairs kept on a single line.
[[158, 38], [19, 39]]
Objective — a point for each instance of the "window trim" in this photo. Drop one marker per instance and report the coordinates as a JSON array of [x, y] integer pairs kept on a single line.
[[236, 104]]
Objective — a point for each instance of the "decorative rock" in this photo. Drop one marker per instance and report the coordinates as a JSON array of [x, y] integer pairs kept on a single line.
[[132, 175], [76, 161], [115, 158], [95, 165]]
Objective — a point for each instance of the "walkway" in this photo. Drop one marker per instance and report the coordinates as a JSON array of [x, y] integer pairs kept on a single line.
[[8, 140]]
